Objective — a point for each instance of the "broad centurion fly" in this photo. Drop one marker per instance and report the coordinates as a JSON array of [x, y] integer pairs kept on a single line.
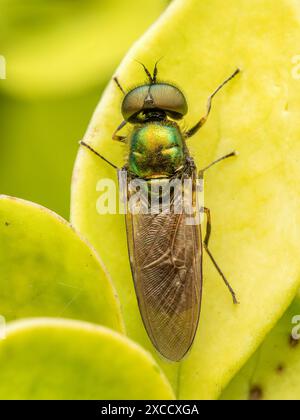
[[164, 241]]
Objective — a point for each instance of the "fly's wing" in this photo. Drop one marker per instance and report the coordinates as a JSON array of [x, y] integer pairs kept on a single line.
[[166, 261]]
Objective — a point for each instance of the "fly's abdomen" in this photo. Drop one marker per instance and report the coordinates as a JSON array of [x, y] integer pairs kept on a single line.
[[165, 252], [156, 150]]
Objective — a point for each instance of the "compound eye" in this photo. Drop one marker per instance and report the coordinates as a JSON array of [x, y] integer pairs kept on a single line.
[[161, 96], [170, 99], [134, 101]]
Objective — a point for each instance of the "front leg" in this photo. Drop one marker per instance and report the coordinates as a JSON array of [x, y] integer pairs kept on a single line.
[[203, 120], [116, 137]]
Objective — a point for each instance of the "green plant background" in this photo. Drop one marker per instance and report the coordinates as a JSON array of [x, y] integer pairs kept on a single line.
[[59, 55], [74, 330]]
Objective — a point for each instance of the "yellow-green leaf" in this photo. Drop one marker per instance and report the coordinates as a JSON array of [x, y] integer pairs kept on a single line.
[[46, 269], [63, 359], [254, 198], [272, 373]]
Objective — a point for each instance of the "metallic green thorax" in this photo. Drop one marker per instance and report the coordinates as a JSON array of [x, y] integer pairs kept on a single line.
[[156, 150]]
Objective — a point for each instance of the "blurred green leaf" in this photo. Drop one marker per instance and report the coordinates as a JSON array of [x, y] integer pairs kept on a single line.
[[54, 47], [254, 198], [272, 373], [38, 145], [60, 55], [60, 359], [46, 269]]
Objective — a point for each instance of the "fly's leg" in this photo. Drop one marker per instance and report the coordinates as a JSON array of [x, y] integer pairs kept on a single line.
[[229, 155], [203, 120], [116, 137], [205, 243], [82, 143], [208, 228], [116, 80]]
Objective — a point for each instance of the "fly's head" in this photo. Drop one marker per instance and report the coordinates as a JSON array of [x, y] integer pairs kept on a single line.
[[157, 147]]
